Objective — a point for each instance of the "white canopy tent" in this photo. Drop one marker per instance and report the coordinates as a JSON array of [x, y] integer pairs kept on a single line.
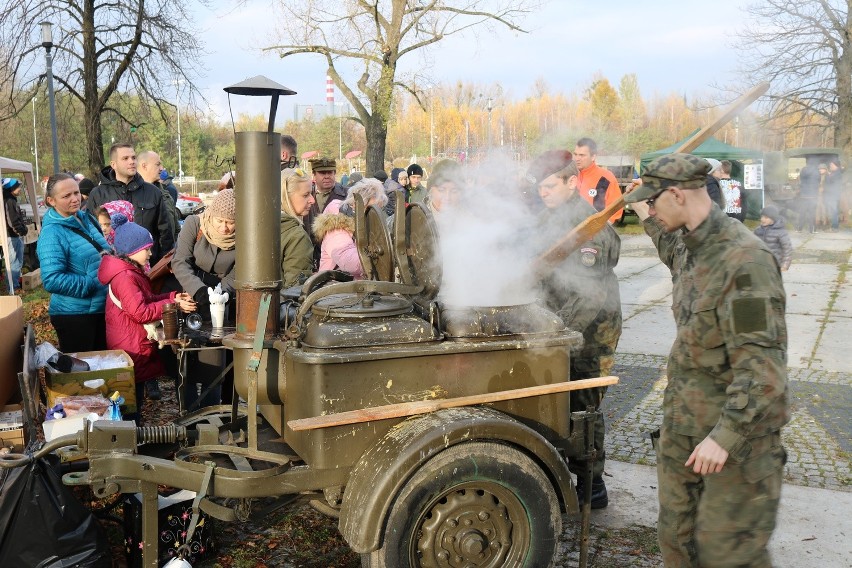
[[9, 166]]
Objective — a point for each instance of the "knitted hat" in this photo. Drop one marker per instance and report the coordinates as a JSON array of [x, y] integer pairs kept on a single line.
[[354, 178], [224, 205], [130, 238], [414, 170], [9, 184], [86, 186], [395, 174], [770, 211], [714, 164], [113, 207]]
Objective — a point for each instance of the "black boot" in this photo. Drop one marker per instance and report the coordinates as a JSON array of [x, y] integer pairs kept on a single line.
[[600, 498], [152, 390]]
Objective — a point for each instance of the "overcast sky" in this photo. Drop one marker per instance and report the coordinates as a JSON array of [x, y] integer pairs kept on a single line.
[[671, 45]]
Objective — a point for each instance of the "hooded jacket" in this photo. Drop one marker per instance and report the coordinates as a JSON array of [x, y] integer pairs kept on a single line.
[[69, 263], [715, 192], [149, 210], [335, 230], [14, 216], [139, 305], [297, 252], [778, 240]]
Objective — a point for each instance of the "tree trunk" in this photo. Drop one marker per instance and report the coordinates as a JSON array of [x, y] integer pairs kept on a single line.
[[94, 141], [843, 120], [376, 131], [92, 104]]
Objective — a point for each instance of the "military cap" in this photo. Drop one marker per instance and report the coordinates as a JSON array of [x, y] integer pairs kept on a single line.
[[323, 164], [682, 170], [549, 163]]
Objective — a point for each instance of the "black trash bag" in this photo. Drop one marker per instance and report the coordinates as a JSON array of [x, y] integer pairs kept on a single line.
[[42, 524]]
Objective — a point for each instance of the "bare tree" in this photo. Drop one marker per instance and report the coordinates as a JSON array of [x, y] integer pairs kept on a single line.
[[374, 35], [102, 49], [804, 49]]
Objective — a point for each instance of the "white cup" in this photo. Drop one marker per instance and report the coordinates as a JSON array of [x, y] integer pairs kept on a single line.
[[217, 315]]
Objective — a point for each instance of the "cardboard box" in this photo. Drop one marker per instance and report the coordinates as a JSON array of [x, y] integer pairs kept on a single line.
[[120, 379], [62, 426], [31, 280], [12, 428], [11, 340]]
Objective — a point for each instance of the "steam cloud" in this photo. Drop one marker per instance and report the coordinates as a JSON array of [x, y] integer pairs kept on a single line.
[[487, 238]]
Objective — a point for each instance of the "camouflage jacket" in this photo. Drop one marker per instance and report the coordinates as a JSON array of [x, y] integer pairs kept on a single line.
[[727, 370], [583, 289]]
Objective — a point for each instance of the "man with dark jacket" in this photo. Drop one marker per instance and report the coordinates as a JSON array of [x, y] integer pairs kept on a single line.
[[808, 193], [150, 167], [326, 190], [120, 180]]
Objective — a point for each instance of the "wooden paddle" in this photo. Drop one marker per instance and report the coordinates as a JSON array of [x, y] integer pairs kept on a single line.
[[590, 227], [423, 406]]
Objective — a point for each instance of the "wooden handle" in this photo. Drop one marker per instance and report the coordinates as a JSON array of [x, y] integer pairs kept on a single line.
[[590, 227], [424, 406]]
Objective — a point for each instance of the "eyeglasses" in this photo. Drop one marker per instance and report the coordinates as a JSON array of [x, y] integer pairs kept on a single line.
[[290, 162]]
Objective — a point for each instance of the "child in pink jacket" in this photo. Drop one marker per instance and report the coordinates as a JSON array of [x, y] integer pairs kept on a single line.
[[131, 303]]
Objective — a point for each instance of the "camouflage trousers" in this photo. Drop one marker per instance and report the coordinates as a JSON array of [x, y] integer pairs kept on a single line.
[[600, 366], [722, 519]]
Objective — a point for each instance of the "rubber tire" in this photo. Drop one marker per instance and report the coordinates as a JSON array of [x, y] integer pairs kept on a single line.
[[484, 468]]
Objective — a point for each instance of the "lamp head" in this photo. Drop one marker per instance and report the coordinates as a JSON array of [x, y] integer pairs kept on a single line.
[[46, 34]]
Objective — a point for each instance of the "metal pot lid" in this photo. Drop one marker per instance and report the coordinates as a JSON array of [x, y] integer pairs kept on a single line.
[[367, 305], [373, 242], [421, 264]]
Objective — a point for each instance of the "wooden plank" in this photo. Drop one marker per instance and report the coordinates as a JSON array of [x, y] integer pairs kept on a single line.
[[424, 406], [591, 226]]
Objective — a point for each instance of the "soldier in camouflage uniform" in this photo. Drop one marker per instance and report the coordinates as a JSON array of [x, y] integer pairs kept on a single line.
[[582, 290], [719, 455]]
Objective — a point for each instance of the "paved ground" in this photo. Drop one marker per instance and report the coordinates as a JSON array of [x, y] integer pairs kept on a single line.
[[813, 525]]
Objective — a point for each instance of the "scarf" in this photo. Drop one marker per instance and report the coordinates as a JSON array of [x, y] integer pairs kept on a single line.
[[222, 242]]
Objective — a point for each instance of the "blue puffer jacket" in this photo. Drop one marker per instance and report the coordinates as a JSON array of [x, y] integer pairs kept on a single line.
[[69, 264]]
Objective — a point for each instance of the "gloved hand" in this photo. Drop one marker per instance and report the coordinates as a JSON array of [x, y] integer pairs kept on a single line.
[[201, 296], [202, 303]]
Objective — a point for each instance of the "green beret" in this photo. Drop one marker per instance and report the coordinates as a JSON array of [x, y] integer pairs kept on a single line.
[[682, 170], [549, 163], [323, 164]]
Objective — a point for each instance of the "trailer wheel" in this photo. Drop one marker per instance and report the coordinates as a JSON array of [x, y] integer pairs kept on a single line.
[[479, 504]]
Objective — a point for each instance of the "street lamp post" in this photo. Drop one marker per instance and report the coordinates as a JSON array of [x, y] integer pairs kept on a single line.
[[35, 142], [47, 43], [177, 83], [431, 124], [490, 107]]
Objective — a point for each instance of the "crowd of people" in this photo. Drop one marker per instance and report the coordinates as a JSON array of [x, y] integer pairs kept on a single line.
[[719, 450]]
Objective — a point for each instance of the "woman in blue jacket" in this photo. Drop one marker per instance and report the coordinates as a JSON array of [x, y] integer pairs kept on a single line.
[[69, 252]]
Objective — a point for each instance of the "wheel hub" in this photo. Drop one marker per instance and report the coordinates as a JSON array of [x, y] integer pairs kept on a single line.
[[466, 528]]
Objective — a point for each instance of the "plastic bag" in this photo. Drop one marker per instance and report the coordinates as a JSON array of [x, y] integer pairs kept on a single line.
[[43, 524]]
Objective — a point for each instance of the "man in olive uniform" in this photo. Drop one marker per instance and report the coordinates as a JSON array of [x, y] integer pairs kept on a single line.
[[326, 189], [719, 454], [582, 290]]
